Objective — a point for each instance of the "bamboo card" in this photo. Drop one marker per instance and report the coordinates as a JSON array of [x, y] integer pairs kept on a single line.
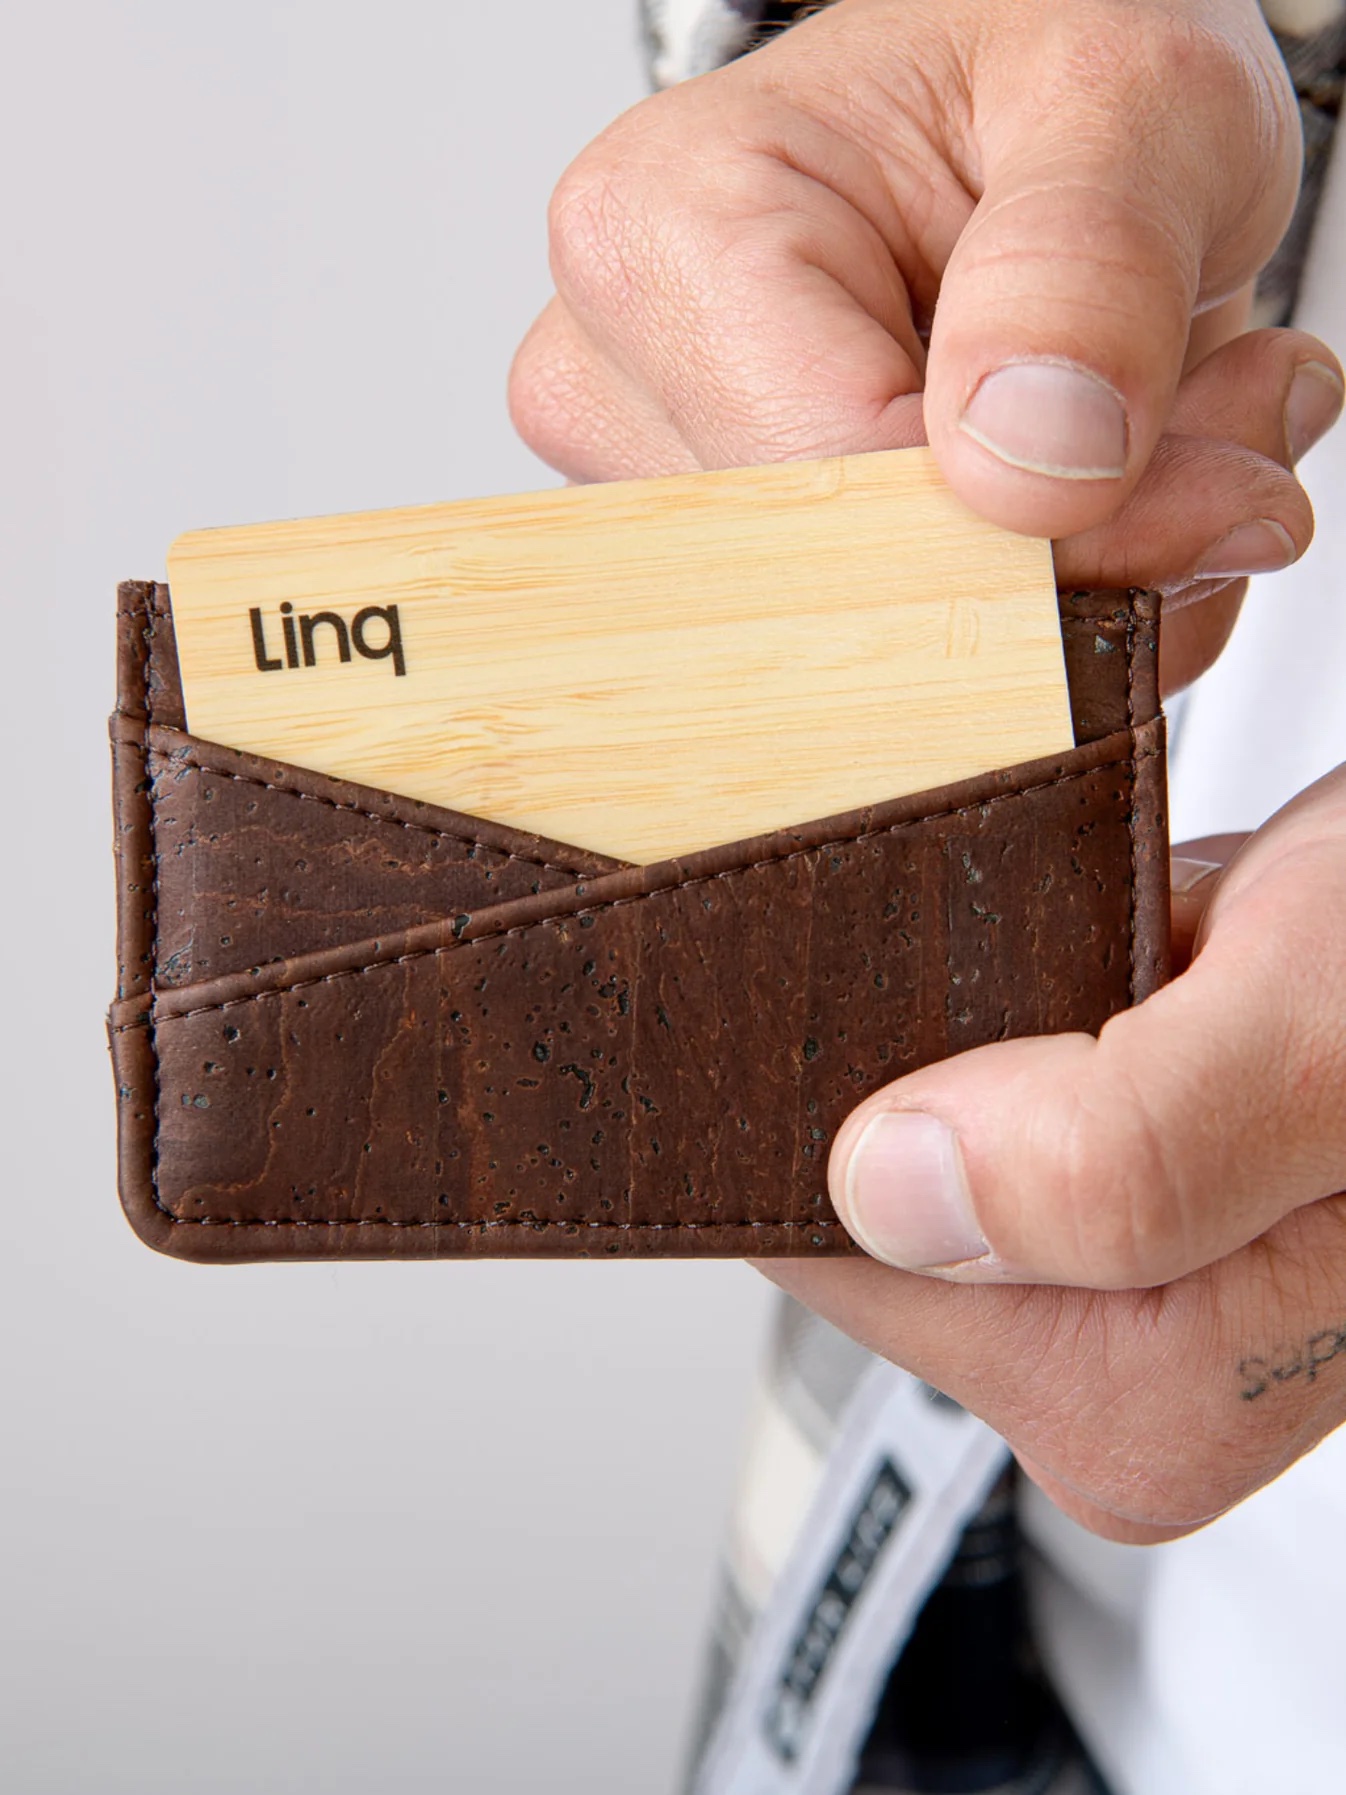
[[643, 668]]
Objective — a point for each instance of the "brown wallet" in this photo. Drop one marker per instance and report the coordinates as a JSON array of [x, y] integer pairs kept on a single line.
[[349, 1025]]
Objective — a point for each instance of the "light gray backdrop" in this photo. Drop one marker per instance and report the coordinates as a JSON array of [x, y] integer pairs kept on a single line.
[[375, 1529]]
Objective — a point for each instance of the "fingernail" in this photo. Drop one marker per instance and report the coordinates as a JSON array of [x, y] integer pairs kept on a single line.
[[1312, 406], [906, 1199], [1184, 873], [1050, 418], [1263, 547]]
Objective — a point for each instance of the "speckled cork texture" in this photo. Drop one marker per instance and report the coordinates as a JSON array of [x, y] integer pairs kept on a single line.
[[352, 1025]]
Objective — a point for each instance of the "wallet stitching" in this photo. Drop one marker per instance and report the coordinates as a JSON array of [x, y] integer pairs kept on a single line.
[[483, 1224], [374, 816], [153, 807], [1131, 819], [846, 841], [150, 612]]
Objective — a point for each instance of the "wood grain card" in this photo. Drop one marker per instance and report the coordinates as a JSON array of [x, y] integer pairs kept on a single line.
[[644, 668]]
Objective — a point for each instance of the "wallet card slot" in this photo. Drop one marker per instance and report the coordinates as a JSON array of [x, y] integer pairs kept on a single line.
[[249, 860], [574, 1077], [261, 861], [1123, 751], [256, 862], [629, 1060]]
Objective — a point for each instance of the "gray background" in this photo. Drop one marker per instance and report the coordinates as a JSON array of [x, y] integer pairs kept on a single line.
[[379, 1528]]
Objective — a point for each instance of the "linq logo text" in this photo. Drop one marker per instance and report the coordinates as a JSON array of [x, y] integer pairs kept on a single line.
[[302, 641]]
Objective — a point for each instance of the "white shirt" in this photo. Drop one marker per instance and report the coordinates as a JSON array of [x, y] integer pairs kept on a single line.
[[1212, 1666]]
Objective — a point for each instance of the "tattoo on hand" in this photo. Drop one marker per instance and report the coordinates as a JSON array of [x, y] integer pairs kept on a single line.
[[1260, 1375]]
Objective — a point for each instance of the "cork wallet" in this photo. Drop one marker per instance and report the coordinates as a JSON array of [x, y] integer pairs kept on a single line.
[[351, 1025]]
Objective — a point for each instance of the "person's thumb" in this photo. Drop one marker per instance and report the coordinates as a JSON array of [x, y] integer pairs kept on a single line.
[[1188, 1128], [1103, 227]]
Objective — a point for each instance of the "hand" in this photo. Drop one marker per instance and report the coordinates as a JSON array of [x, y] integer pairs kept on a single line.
[[1143, 1236], [747, 267]]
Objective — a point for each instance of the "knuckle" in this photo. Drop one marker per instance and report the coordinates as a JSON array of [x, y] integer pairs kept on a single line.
[[1227, 104], [531, 391], [1151, 47], [553, 402], [1188, 57], [664, 195], [598, 237], [1184, 94]]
